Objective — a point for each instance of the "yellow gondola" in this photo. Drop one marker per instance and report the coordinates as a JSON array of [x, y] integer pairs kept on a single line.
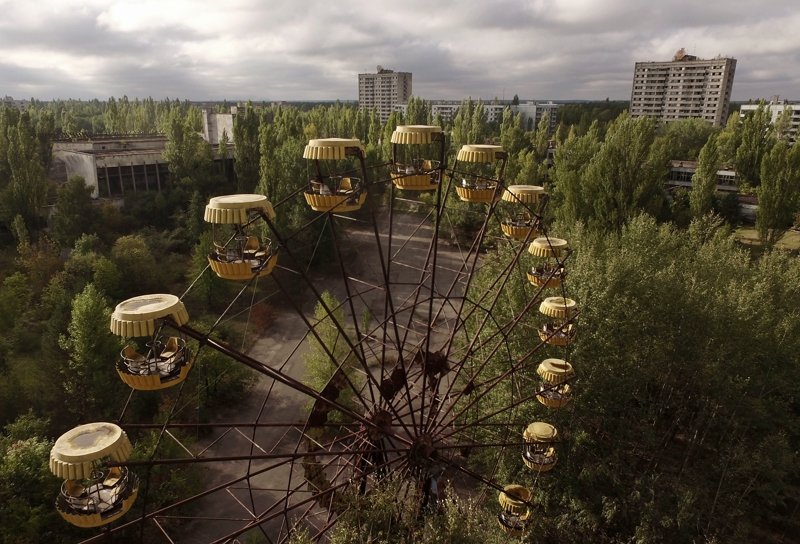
[[515, 516], [538, 452], [549, 273], [167, 360], [415, 172], [554, 391], [93, 494], [558, 332], [333, 193], [521, 227], [241, 254], [478, 185]]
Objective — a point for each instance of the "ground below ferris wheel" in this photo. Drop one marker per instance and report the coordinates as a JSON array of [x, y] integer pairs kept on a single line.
[[271, 489]]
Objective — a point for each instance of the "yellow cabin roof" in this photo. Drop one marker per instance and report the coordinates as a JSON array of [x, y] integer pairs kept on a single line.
[[558, 307], [548, 247], [514, 499], [414, 134], [330, 149], [555, 371], [523, 194], [479, 153], [74, 453], [137, 316], [234, 209], [540, 432]]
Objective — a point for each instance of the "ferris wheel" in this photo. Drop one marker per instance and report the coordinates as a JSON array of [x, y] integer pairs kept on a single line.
[[422, 371]]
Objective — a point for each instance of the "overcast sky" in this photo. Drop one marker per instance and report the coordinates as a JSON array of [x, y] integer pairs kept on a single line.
[[312, 50]]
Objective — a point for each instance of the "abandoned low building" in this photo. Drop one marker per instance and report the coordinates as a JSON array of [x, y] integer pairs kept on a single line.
[[114, 165]]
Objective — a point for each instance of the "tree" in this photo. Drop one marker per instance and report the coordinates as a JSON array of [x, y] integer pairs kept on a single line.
[[704, 180], [74, 215], [320, 367], [756, 140], [245, 148], [684, 425], [571, 200], [90, 349], [686, 137], [189, 156], [418, 111], [729, 140], [624, 177], [26, 191], [783, 124], [224, 153], [134, 259], [779, 193], [27, 514]]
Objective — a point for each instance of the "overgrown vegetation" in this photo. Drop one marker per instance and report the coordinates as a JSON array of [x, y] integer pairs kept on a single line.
[[685, 424]]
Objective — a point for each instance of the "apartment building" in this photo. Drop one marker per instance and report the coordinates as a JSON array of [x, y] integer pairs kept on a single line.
[[383, 90], [685, 87], [776, 106], [531, 112]]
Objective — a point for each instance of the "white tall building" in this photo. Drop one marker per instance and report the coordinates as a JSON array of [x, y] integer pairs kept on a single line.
[[685, 87], [531, 112], [776, 107], [383, 90]]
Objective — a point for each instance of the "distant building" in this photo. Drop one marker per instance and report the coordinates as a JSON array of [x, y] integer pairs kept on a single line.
[[531, 112], [776, 107], [684, 88], [681, 173], [115, 165], [214, 124], [383, 90]]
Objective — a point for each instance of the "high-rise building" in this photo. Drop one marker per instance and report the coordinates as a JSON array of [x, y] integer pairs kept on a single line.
[[683, 88], [383, 90]]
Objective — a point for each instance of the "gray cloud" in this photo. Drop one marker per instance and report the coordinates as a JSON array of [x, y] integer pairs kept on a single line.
[[313, 49]]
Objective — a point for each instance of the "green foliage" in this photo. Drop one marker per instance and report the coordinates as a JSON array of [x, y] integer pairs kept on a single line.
[[134, 259], [418, 112], [330, 351], [91, 348], [686, 137], [684, 427], [704, 180], [27, 488], [382, 517], [74, 214], [245, 148], [582, 115], [757, 139], [624, 174], [24, 190], [779, 193], [189, 156]]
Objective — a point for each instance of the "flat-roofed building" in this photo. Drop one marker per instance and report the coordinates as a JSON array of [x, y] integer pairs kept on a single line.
[[383, 90], [683, 88], [532, 112], [776, 107]]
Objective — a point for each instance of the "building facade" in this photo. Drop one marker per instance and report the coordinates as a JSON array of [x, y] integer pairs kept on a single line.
[[776, 107], [531, 112], [683, 88], [383, 90]]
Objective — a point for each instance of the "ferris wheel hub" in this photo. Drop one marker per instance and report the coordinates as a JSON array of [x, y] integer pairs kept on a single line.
[[422, 452]]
